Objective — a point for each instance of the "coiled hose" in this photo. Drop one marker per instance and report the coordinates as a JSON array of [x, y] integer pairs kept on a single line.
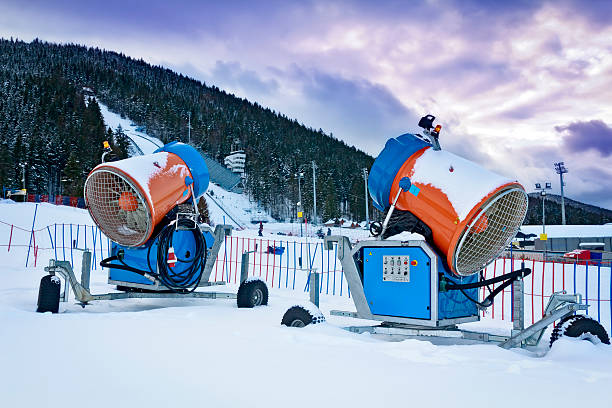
[[188, 279]]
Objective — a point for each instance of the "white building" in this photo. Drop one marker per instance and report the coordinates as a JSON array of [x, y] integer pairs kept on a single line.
[[235, 161]]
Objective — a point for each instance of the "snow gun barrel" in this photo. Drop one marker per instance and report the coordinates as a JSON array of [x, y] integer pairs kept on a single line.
[[472, 213], [128, 198]]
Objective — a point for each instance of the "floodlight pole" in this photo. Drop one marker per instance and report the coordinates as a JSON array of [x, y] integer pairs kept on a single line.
[[543, 212], [561, 169], [189, 127], [542, 189], [23, 179], [314, 192], [299, 175], [367, 210]]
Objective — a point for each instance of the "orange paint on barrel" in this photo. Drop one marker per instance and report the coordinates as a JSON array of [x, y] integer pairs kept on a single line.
[[434, 208]]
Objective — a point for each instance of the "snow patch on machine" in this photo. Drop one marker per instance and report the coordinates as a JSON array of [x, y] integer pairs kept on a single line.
[[442, 169]]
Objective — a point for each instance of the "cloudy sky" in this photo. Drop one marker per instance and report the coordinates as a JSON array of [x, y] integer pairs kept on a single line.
[[516, 85]]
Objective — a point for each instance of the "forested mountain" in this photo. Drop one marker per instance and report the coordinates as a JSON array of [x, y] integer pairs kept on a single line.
[[46, 122], [576, 213]]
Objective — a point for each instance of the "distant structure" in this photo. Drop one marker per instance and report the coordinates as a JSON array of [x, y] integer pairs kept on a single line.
[[235, 162], [222, 176]]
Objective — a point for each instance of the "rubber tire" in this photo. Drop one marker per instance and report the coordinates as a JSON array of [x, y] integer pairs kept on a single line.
[[49, 294], [375, 228], [251, 294], [297, 316], [578, 325]]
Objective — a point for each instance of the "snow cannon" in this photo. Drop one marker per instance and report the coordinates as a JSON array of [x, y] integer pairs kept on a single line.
[[147, 205], [469, 214], [128, 198], [428, 287]]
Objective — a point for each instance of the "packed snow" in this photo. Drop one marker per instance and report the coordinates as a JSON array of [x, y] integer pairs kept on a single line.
[[194, 352]]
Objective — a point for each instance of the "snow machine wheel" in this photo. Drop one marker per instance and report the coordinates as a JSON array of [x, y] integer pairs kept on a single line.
[[580, 326], [252, 293], [375, 228], [49, 294], [299, 316]]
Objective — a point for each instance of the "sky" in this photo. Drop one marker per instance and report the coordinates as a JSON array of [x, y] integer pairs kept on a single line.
[[516, 86]]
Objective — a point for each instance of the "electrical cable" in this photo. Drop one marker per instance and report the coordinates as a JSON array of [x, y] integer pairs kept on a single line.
[[507, 280]]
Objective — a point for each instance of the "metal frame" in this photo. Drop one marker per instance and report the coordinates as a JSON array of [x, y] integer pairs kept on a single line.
[[345, 255], [83, 295], [559, 306]]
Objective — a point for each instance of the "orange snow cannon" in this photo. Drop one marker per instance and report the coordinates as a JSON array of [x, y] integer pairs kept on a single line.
[[468, 213], [128, 198]]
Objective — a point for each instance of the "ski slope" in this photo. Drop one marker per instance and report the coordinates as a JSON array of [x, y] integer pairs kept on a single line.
[[142, 142], [188, 352]]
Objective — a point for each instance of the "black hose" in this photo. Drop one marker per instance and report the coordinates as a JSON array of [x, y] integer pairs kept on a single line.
[[507, 280], [182, 282], [189, 279]]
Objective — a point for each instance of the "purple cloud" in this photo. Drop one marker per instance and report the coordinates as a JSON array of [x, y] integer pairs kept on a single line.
[[582, 136]]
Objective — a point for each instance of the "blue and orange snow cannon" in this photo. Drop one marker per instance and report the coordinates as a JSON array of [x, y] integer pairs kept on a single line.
[[147, 205], [467, 216]]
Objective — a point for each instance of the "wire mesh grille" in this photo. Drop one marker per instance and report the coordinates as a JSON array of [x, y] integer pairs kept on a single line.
[[118, 208], [494, 228]]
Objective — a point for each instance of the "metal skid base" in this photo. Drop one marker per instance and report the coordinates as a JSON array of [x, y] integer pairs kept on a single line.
[[84, 296], [559, 306]]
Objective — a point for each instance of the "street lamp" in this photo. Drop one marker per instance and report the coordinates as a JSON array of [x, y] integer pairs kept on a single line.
[[300, 175], [365, 181], [542, 190], [561, 170]]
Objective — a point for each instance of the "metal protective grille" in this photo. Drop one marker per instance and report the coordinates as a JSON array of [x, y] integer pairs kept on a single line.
[[491, 231], [117, 207]]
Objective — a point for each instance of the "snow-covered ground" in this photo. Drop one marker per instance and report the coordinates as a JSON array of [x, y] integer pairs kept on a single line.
[[207, 352]]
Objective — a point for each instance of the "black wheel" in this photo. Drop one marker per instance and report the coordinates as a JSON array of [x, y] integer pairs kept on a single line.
[[49, 294], [299, 316], [375, 228], [252, 293], [580, 326]]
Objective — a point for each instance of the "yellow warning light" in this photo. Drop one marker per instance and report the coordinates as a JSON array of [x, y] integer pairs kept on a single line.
[[543, 237], [106, 144], [300, 214], [438, 128]]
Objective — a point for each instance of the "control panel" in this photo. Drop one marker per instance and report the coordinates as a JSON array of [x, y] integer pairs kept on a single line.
[[396, 268]]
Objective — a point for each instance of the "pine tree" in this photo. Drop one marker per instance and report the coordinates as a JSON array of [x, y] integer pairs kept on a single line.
[[72, 179], [203, 209]]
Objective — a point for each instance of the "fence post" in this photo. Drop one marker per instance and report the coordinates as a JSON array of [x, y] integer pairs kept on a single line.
[[85, 269], [314, 287], [518, 303], [244, 268], [29, 245], [10, 239]]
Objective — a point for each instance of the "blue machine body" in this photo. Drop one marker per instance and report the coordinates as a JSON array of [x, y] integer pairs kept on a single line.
[[387, 164], [141, 257], [410, 294]]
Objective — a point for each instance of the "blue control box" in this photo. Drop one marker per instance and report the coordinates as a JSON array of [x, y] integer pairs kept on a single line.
[[397, 281], [392, 289]]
